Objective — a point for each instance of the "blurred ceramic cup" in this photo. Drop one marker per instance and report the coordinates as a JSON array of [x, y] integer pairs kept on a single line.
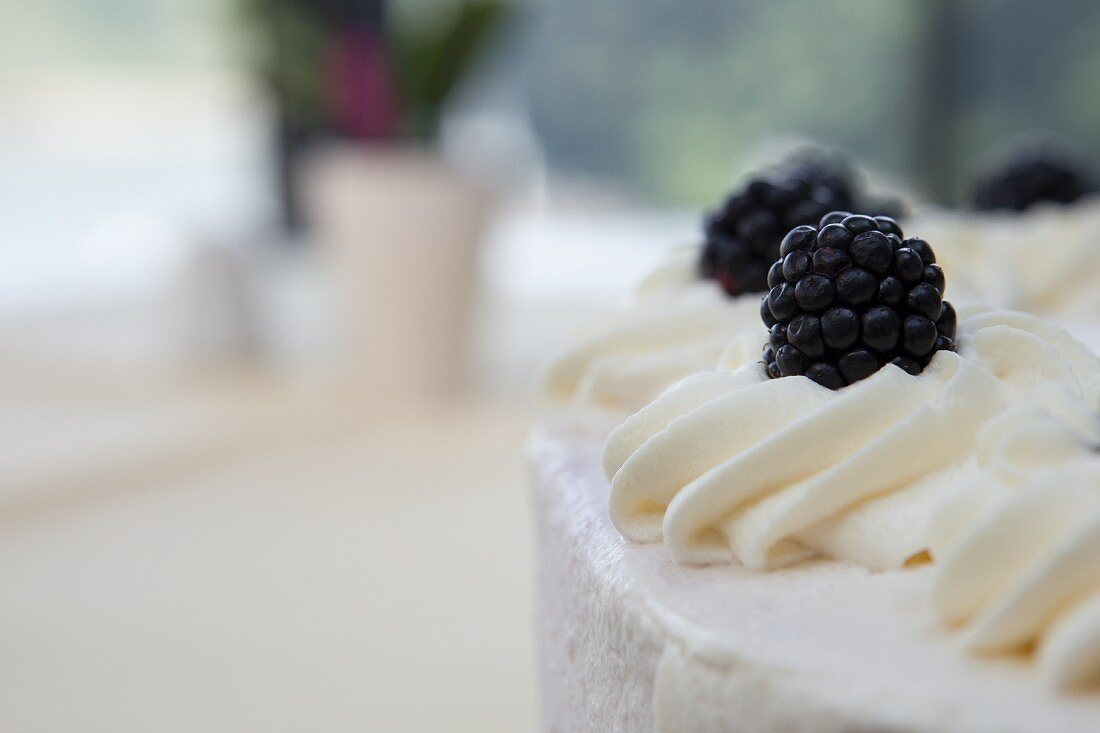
[[399, 232]]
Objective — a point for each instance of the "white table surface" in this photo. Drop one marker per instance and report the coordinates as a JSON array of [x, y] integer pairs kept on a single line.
[[370, 578]]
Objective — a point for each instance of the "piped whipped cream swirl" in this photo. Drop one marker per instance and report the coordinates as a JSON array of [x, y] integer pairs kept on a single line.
[[1018, 551], [770, 471], [1045, 260], [679, 325]]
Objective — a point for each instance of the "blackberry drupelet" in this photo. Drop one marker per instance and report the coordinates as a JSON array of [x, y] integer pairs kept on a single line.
[[1031, 178], [850, 296]]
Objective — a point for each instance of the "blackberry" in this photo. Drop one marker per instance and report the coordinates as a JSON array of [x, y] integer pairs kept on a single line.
[[1030, 178], [742, 237], [850, 296]]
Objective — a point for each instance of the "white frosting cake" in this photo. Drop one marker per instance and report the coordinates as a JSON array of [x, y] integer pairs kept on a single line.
[[631, 640], [910, 553]]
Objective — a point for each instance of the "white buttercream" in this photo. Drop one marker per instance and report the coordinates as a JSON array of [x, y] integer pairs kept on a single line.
[[630, 640], [1045, 260], [734, 464], [678, 325], [1017, 552]]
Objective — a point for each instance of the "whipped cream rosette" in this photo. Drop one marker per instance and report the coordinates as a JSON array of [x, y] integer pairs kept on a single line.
[[1045, 260], [732, 464], [1017, 549], [678, 325]]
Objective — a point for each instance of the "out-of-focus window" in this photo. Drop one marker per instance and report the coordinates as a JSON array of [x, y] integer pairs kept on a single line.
[[670, 97], [127, 125]]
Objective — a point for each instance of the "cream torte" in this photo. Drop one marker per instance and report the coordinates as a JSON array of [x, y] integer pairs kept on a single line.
[[632, 640], [882, 519]]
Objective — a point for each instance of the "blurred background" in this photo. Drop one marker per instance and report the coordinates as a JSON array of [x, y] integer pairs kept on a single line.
[[277, 276]]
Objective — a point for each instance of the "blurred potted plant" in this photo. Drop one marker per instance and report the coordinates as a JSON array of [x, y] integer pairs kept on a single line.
[[360, 86]]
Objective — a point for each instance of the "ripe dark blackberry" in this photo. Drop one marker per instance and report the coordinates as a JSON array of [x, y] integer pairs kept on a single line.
[[1030, 178], [742, 238], [851, 295]]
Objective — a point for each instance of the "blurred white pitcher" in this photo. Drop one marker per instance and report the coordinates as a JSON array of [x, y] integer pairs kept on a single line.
[[399, 231]]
